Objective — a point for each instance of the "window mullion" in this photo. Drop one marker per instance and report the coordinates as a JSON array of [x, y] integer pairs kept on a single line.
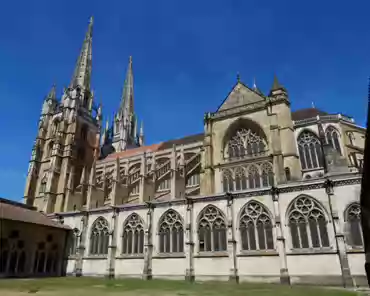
[[319, 233], [256, 235], [309, 235]]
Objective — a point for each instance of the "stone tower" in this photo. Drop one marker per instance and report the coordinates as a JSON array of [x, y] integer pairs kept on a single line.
[[125, 133], [67, 142]]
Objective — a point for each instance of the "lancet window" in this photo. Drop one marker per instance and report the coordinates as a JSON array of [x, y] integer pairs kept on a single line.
[[99, 238], [133, 235], [332, 138], [245, 142], [308, 225], [212, 230], [310, 152], [171, 233], [354, 227], [12, 254], [73, 243], [255, 227]]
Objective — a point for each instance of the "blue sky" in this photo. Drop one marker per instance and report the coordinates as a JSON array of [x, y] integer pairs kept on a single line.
[[186, 55]]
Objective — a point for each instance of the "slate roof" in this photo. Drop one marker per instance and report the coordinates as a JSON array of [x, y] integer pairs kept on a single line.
[[11, 210], [159, 146], [307, 113]]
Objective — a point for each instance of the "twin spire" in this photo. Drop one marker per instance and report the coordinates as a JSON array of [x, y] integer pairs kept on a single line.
[[82, 73]]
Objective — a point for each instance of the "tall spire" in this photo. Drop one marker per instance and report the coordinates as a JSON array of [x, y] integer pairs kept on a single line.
[[82, 72], [52, 95], [127, 99]]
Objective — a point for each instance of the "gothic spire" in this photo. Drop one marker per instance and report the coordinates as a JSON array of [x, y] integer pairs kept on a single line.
[[52, 95], [82, 72], [127, 99], [276, 85]]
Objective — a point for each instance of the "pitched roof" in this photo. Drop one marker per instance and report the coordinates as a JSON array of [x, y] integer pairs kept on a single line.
[[182, 141], [11, 210], [307, 113], [156, 147]]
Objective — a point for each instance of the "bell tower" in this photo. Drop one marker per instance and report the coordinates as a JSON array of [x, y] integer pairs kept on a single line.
[[67, 141]]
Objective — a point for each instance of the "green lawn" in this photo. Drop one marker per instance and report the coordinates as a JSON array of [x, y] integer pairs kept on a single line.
[[134, 287]]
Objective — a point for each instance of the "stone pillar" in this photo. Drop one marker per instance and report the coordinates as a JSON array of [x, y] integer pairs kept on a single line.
[[148, 244], [91, 186], [189, 241], [143, 171], [231, 241], [112, 247], [275, 147], [280, 239], [207, 172], [347, 279], [70, 187], [82, 244], [115, 182], [173, 172]]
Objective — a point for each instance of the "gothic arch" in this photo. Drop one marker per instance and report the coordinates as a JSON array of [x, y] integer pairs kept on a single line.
[[133, 235], [212, 229], [133, 167], [352, 219], [99, 237], [244, 137], [310, 150], [307, 220], [332, 136], [255, 225], [171, 232]]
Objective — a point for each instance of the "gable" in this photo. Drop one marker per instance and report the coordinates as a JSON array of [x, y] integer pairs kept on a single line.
[[240, 95]]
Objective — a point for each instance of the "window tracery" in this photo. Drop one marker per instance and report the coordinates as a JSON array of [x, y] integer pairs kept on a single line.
[[353, 219], [332, 138], [253, 177], [228, 181], [73, 244], [255, 227], [171, 233], [212, 230], [267, 174], [133, 235], [99, 238], [308, 225], [310, 152], [245, 142]]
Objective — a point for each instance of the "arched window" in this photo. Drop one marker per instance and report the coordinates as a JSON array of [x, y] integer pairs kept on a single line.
[[73, 244], [255, 227], [245, 142], [351, 138], [171, 233], [353, 219], [240, 179], [267, 174], [287, 174], [50, 148], [310, 152], [254, 177], [308, 226], [332, 138], [133, 235], [99, 238], [212, 230], [228, 181], [43, 185]]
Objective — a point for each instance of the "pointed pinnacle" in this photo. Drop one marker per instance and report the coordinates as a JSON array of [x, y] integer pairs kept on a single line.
[[142, 128], [52, 93], [276, 85], [238, 77]]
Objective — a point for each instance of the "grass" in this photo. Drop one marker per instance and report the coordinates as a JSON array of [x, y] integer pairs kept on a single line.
[[85, 286]]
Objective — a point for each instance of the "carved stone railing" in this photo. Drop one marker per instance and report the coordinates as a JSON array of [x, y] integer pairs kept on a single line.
[[163, 170], [192, 163]]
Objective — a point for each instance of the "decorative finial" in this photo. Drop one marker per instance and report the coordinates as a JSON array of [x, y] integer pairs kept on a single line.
[[313, 105], [254, 83], [238, 77], [91, 20]]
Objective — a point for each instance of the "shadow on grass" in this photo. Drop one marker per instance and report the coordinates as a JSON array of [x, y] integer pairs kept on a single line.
[[163, 287]]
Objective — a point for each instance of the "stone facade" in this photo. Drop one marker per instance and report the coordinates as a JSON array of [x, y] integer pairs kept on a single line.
[[264, 194]]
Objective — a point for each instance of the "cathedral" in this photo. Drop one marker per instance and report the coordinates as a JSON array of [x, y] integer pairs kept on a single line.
[[263, 194]]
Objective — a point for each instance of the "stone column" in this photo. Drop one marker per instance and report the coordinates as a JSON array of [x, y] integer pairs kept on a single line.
[[189, 241], [143, 172], [231, 241], [69, 191], [148, 244], [173, 172], [339, 236], [207, 172], [82, 244], [280, 239], [112, 247], [116, 182]]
